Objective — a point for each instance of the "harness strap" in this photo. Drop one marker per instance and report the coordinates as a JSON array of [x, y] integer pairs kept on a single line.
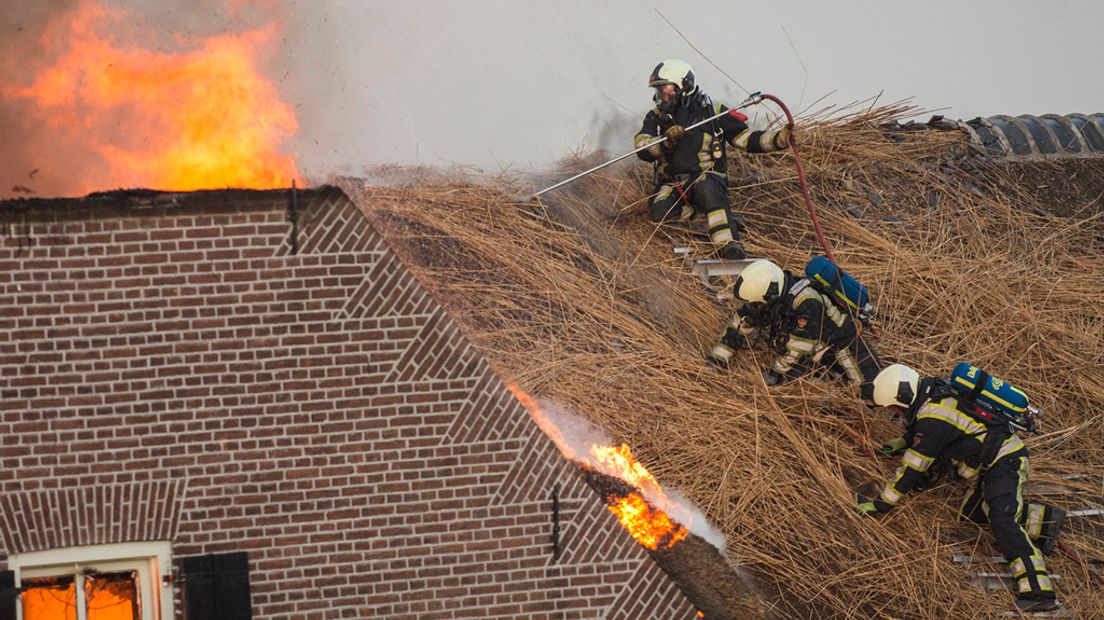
[[979, 385]]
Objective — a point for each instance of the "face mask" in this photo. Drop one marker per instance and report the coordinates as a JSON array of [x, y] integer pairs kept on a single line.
[[665, 97]]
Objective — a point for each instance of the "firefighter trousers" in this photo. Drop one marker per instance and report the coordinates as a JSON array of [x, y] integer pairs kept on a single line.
[[859, 363], [1001, 505], [707, 193]]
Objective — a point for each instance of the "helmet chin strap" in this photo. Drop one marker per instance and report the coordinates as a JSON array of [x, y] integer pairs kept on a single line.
[[923, 392]]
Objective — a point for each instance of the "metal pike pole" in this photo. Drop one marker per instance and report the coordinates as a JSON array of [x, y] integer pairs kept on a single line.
[[750, 101]]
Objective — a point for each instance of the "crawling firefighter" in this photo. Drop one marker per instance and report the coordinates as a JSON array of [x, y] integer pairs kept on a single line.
[[802, 322], [691, 165], [947, 425]]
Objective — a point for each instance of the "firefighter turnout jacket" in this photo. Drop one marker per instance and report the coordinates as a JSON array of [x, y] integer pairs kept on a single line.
[[702, 148], [691, 176], [805, 326], [946, 429]]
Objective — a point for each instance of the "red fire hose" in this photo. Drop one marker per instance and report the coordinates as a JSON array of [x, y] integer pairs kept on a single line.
[[805, 192], [1071, 554], [801, 180]]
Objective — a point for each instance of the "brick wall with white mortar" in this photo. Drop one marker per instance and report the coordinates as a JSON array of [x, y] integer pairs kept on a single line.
[[178, 368]]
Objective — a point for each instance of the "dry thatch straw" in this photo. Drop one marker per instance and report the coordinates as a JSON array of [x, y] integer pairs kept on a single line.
[[581, 299]]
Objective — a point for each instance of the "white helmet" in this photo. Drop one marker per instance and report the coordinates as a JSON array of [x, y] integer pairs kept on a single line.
[[896, 384], [760, 281], [677, 73]]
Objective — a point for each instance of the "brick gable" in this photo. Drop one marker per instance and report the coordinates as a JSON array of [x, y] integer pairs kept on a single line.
[[178, 367]]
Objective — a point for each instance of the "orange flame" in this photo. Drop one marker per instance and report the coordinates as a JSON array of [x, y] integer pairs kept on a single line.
[[201, 117], [641, 512], [621, 460], [649, 526]]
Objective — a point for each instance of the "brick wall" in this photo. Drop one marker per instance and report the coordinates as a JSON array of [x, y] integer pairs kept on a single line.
[[177, 367]]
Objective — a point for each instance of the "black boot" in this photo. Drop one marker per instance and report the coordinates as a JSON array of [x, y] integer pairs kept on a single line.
[[733, 251], [1052, 528], [1032, 603]]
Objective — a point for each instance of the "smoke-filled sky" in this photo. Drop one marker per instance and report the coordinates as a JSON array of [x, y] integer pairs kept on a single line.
[[517, 84]]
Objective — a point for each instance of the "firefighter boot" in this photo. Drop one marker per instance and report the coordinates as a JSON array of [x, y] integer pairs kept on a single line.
[[1033, 604], [733, 251], [1052, 528]]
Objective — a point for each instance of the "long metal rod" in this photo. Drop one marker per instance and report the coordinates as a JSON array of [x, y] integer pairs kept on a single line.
[[750, 101]]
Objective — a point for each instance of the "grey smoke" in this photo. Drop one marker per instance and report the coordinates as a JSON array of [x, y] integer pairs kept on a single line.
[[509, 84], [580, 435]]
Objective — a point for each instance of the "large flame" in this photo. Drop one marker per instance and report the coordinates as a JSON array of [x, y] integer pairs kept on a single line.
[[649, 525], [181, 114], [644, 511]]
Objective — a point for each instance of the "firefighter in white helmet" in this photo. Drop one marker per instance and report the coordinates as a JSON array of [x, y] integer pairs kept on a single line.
[[943, 428], [691, 166], [801, 322]]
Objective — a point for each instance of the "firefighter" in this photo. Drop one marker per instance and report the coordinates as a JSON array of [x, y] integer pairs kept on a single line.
[[691, 165], [942, 428], [801, 322]]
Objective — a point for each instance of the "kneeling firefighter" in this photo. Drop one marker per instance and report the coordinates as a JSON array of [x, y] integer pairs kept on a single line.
[[691, 166], [799, 320], [953, 424]]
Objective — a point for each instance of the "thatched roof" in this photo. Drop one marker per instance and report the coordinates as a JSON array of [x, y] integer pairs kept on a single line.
[[581, 298]]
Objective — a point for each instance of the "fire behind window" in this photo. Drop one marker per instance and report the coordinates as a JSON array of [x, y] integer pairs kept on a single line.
[[49, 597], [105, 596]]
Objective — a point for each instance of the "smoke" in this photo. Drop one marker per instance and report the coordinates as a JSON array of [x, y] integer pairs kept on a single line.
[[500, 85], [94, 95], [21, 150], [575, 435], [696, 521]]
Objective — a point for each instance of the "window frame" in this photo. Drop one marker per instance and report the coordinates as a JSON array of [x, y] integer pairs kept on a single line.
[[149, 559]]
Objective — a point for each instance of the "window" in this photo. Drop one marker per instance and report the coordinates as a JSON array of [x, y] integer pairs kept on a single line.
[[99, 582]]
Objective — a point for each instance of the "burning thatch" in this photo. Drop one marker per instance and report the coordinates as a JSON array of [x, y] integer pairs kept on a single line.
[[652, 527], [581, 299], [654, 519], [715, 587]]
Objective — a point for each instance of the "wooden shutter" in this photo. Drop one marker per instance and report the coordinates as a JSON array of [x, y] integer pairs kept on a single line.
[[8, 595], [216, 587]]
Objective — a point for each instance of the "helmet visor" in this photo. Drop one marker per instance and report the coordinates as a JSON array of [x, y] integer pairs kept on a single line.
[[665, 96]]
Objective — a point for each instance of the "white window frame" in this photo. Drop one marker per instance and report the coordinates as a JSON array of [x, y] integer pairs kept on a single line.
[[151, 560]]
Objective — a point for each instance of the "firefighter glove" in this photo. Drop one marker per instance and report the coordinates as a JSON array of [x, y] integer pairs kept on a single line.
[[733, 339], [674, 134], [782, 138], [867, 508], [894, 446], [656, 150], [873, 507]]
